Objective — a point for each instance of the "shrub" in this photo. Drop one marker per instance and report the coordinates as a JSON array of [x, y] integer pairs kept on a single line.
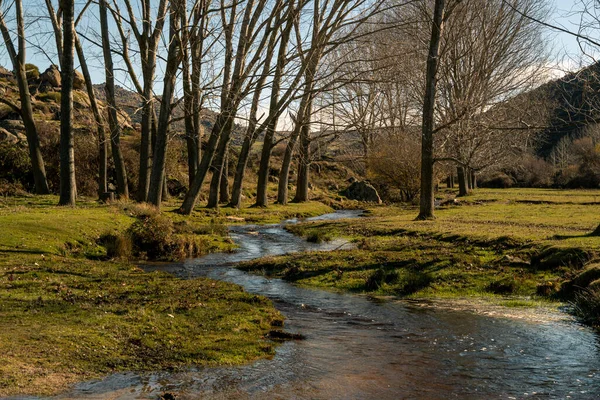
[[15, 167], [496, 181], [394, 164], [117, 246], [152, 236], [50, 97], [32, 72], [318, 237], [412, 282], [587, 306], [502, 286], [532, 171]]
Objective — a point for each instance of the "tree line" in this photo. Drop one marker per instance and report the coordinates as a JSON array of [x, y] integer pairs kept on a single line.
[[448, 77]]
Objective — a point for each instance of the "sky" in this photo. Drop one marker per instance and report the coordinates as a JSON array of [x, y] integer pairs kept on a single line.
[[565, 48]]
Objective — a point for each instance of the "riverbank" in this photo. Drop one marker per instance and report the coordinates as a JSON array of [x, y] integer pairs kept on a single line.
[[70, 312], [514, 248]]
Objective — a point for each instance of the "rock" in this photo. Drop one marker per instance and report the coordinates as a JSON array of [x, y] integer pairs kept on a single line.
[[7, 137], [351, 179], [175, 187], [78, 81], [5, 73], [362, 191], [107, 197], [51, 76], [13, 126]]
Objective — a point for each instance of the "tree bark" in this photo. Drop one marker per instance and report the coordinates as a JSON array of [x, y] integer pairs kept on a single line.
[[68, 189], [427, 204], [303, 163], [191, 197], [463, 186], [157, 177], [18, 60], [224, 189], [218, 164], [113, 122], [284, 173], [100, 126]]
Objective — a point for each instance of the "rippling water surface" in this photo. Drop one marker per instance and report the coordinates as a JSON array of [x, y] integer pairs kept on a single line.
[[356, 348]]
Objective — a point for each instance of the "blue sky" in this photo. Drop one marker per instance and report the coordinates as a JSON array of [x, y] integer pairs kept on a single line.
[[564, 46]]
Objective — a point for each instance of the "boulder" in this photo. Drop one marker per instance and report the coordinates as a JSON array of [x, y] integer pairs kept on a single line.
[[51, 76], [78, 81], [5, 73], [13, 126], [362, 191], [7, 137]]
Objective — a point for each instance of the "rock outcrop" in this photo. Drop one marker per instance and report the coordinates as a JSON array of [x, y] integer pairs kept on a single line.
[[51, 76], [78, 81], [362, 191]]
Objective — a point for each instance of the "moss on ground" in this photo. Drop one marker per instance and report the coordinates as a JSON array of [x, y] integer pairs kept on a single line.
[[66, 316], [516, 246]]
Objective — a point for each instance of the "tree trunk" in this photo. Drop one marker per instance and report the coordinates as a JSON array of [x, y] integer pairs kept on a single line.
[[473, 179], [224, 189], [18, 61], [145, 166], [113, 122], [218, 164], [157, 177], [303, 162], [191, 197], [463, 186], [238, 180], [284, 173], [100, 128], [427, 202], [68, 189], [452, 181]]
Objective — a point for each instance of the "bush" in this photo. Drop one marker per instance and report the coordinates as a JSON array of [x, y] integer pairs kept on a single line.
[[587, 306], [532, 172], [318, 237], [496, 181], [502, 286], [394, 165], [15, 166], [50, 97], [152, 236], [32, 72]]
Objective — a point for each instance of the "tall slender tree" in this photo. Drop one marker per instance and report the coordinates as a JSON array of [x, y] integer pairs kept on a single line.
[[426, 210], [68, 188], [18, 58], [113, 121]]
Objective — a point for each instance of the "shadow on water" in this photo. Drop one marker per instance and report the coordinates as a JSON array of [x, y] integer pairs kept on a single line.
[[357, 348]]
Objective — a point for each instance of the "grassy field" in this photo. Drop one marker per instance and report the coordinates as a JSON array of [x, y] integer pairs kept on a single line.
[[498, 244], [69, 313]]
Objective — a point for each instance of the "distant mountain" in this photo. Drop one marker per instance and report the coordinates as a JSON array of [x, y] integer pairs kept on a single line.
[[575, 99]]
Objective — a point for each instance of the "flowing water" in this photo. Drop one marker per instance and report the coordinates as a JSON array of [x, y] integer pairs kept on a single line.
[[357, 348]]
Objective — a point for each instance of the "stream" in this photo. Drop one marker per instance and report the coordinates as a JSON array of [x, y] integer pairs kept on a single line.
[[357, 348]]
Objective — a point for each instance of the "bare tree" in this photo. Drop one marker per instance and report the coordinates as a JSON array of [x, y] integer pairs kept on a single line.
[[68, 189], [113, 122], [18, 58], [147, 37], [174, 56]]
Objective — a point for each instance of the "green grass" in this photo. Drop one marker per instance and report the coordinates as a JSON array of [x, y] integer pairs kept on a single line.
[[495, 244], [64, 320], [65, 316]]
